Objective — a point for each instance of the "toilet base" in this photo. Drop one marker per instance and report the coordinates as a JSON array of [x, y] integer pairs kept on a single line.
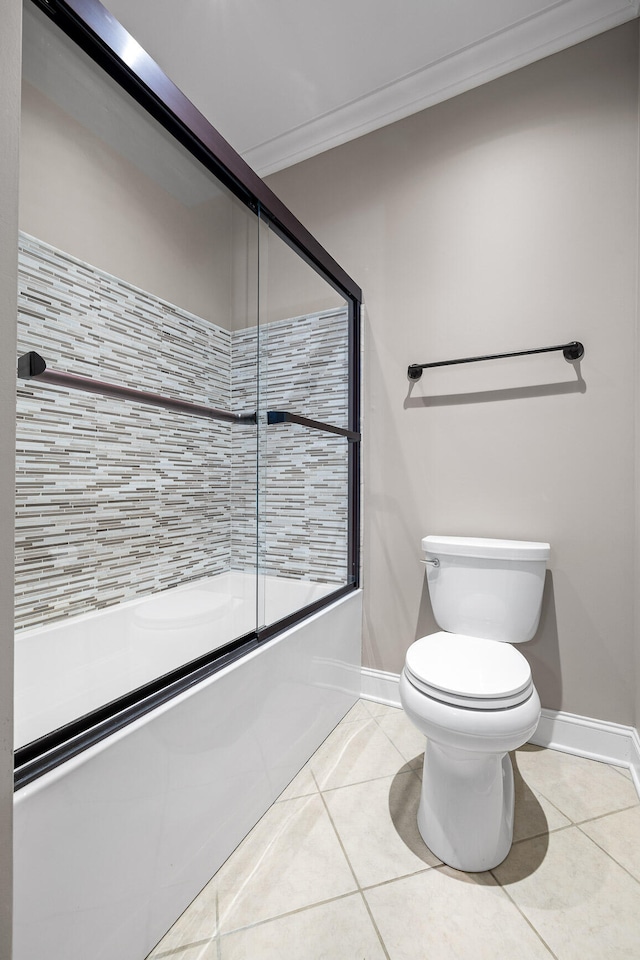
[[466, 807]]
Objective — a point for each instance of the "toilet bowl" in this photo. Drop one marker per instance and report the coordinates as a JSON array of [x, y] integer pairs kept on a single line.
[[471, 693]]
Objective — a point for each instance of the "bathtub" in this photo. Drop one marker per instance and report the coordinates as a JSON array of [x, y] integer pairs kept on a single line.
[[112, 845], [69, 668]]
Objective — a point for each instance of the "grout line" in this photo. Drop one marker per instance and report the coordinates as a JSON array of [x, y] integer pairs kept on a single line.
[[568, 826], [605, 851], [309, 906], [179, 950], [302, 796], [289, 913], [353, 872], [405, 876], [610, 813], [343, 748], [524, 916], [539, 793], [339, 838], [218, 935], [358, 783], [536, 792], [391, 741], [375, 925], [620, 771], [274, 836], [545, 833], [387, 706]]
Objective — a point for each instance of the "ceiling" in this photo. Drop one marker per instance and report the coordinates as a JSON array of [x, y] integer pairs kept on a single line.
[[283, 80]]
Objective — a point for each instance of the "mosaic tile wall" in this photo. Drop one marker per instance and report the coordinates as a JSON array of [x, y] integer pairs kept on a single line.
[[303, 473], [114, 500], [117, 500]]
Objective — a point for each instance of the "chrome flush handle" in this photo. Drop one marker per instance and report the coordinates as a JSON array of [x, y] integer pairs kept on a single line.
[[435, 562]]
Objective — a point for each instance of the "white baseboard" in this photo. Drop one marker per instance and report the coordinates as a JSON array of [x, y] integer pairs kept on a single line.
[[568, 732], [634, 764], [594, 739], [380, 687]]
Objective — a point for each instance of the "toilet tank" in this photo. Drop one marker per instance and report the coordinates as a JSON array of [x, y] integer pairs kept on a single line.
[[486, 588]]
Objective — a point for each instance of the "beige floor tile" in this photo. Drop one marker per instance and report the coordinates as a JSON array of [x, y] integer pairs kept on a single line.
[[623, 771], [272, 892], [196, 927], [402, 733], [445, 915], [302, 785], [377, 824], [534, 815], [198, 951], [619, 835], [359, 711], [341, 930], [353, 753], [581, 789], [291, 859], [583, 904]]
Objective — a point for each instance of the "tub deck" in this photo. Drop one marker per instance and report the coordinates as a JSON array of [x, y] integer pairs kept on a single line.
[[74, 666]]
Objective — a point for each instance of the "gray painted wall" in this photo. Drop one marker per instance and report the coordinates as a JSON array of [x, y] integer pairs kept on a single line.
[[102, 181], [500, 220], [10, 17]]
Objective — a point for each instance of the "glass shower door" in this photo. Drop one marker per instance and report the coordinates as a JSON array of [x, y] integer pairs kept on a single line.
[[198, 491], [305, 550], [138, 272]]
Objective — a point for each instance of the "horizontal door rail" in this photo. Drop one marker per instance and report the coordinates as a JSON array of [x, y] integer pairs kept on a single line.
[[283, 416], [32, 366], [572, 351]]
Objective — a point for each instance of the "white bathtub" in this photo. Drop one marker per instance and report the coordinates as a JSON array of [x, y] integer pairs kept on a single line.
[[69, 668], [111, 846]]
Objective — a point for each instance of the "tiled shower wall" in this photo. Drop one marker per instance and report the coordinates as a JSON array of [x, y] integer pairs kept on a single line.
[[119, 500], [303, 473]]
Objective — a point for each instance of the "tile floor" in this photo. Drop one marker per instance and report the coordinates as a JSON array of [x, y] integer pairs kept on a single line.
[[336, 869]]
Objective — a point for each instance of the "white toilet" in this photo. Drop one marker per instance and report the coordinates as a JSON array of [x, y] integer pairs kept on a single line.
[[470, 692]]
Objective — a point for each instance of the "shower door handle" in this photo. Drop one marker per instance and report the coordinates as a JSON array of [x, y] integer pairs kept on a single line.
[[284, 416], [32, 366]]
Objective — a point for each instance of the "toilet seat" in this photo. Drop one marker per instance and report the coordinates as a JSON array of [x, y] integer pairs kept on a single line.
[[468, 671]]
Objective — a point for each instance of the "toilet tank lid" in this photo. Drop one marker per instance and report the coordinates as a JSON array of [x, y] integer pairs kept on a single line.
[[482, 547]]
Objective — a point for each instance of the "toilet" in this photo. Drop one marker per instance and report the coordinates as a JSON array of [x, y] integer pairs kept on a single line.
[[470, 692]]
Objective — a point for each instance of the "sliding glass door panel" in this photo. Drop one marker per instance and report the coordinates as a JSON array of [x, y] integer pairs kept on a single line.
[[304, 377], [139, 269], [188, 447]]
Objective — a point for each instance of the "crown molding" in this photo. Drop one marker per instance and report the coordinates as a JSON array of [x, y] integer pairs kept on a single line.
[[561, 25]]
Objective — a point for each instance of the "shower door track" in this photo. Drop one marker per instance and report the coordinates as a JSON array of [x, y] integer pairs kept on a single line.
[[47, 752]]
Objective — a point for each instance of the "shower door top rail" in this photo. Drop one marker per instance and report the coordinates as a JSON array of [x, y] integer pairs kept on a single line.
[[31, 366]]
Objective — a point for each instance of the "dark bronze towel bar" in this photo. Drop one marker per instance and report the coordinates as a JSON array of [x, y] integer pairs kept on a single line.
[[572, 351]]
